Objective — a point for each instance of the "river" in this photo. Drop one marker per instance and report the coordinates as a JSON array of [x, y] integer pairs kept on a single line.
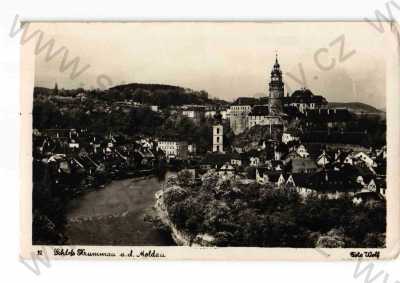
[[114, 215]]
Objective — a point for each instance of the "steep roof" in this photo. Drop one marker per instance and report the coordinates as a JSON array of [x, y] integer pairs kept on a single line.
[[194, 108], [263, 170], [365, 196], [273, 177], [380, 182], [304, 92], [341, 157], [331, 180], [291, 111], [301, 164], [306, 96], [301, 179], [245, 101], [281, 147], [216, 159], [259, 110], [275, 163]]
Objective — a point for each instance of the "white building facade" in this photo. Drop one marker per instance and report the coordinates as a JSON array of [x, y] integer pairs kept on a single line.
[[238, 116], [174, 149], [218, 138]]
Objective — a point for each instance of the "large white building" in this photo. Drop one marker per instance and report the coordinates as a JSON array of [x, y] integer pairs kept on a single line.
[[173, 149], [194, 112], [239, 112], [303, 99]]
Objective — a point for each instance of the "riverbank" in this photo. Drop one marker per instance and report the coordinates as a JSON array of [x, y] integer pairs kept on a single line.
[[180, 237]]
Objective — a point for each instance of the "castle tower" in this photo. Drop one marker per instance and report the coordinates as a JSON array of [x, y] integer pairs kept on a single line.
[[276, 89], [218, 133]]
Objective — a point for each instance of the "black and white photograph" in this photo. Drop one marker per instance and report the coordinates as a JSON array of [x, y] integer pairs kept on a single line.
[[209, 135]]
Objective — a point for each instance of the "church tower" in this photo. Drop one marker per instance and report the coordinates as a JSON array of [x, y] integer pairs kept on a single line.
[[55, 91], [218, 133], [276, 91]]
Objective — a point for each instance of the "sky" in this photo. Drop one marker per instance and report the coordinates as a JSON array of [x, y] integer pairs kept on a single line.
[[228, 60]]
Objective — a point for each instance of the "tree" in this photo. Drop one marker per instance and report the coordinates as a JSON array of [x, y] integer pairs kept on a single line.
[[374, 240], [46, 115], [333, 239], [238, 214], [185, 178]]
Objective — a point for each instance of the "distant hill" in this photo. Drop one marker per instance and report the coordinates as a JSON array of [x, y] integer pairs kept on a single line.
[[356, 107], [150, 87], [42, 91], [164, 95], [38, 90], [155, 94]]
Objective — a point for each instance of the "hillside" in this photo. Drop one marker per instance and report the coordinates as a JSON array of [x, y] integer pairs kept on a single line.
[[251, 138], [42, 91], [356, 107], [158, 94], [155, 94], [149, 87]]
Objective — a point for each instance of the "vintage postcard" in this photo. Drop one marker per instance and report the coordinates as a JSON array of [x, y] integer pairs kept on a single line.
[[210, 140]]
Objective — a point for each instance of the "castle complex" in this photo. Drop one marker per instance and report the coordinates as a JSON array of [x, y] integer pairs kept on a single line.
[[247, 112]]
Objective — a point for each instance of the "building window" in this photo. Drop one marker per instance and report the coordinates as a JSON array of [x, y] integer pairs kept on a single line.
[[217, 147], [217, 130], [217, 139]]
